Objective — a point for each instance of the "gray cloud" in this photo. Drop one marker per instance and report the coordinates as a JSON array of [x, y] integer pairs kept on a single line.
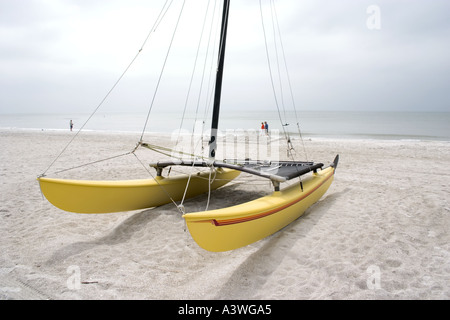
[[63, 56]]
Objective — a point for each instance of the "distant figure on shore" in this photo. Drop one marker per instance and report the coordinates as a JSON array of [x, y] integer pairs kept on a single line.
[[266, 128], [71, 125], [263, 128]]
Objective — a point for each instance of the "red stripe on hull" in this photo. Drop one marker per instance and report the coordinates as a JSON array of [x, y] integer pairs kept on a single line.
[[221, 223]]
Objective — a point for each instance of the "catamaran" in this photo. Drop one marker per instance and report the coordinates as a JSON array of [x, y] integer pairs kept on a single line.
[[214, 230]]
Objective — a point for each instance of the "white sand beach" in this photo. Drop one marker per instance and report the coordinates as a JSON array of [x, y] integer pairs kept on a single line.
[[380, 232]]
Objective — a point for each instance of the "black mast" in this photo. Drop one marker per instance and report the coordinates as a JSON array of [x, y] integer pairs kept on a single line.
[[218, 87]]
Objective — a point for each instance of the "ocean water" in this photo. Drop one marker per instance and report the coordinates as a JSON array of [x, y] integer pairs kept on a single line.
[[334, 124]]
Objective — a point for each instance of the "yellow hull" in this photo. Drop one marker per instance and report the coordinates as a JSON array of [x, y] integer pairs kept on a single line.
[[234, 227], [82, 196]]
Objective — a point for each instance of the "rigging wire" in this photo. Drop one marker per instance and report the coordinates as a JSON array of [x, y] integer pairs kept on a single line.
[[181, 206], [152, 30], [290, 146], [198, 103], [276, 29], [157, 181], [192, 75], [277, 61], [289, 80], [205, 62], [270, 70], [210, 89], [94, 162], [275, 23], [162, 71]]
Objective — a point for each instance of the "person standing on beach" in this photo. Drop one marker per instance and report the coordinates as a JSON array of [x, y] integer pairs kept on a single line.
[[266, 128], [263, 127], [71, 125]]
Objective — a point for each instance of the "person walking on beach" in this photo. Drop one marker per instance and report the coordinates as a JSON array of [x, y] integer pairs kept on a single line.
[[71, 125], [263, 128]]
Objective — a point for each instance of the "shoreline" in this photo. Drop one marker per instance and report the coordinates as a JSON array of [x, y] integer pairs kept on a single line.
[[343, 124], [380, 232], [310, 137]]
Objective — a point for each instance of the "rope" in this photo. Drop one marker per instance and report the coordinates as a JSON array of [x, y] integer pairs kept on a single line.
[[278, 63], [162, 71], [202, 82], [287, 137], [210, 89], [192, 76], [210, 183], [91, 163], [155, 25], [289, 80], [158, 148], [270, 70], [162, 187], [187, 186]]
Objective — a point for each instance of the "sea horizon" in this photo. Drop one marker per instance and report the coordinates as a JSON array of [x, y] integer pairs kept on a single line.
[[383, 125]]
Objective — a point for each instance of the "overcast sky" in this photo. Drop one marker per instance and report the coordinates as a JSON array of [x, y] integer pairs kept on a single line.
[[63, 56]]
